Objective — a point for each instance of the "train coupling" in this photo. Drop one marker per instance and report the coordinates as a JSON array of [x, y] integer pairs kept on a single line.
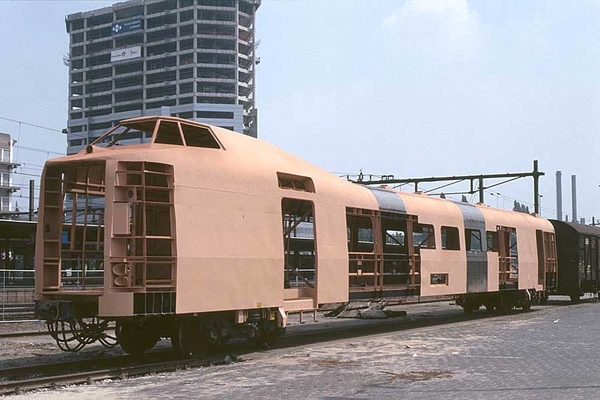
[[54, 310]]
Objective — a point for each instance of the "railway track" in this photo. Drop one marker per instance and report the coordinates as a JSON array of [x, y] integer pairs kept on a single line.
[[54, 379], [15, 380]]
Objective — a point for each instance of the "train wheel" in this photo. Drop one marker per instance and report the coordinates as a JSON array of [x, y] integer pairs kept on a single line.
[[489, 308], [526, 305], [192, 339], [505, 305], [468, 308], [268, 335], [574, 298], [175, 341], [133, 338]]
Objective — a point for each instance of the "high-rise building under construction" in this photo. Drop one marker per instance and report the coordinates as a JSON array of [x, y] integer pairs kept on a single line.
[[189, 58]]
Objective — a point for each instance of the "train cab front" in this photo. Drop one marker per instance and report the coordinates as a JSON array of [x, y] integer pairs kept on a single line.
[[106, 234], [70, 252]]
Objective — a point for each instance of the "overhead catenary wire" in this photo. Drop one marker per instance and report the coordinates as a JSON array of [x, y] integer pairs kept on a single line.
[[545, 210], [40, 150], [30, 124], [27, 174]]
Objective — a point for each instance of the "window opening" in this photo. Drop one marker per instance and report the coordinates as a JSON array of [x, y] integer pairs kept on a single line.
[[381, 253], [295, 182], [114, 136], [508, 257], [299, 243], [450, 240], [396, 257], [546, 249], [168, 133], [473, 239], [73, 221], [360, 234], [196, 136], [364, 249], [492, 241], [395, 238], [143, 227], [423, 236]]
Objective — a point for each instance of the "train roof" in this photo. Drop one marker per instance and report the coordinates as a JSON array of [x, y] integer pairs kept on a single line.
[[393, 200], [238, 162], [251, 157]]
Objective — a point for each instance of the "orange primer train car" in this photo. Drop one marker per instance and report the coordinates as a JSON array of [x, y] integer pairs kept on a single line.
[[203, 234]]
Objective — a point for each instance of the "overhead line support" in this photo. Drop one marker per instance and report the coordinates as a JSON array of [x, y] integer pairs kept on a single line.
[[535, 174]]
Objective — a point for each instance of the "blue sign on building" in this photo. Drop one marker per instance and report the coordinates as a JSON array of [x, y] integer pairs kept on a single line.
[[126, 26]]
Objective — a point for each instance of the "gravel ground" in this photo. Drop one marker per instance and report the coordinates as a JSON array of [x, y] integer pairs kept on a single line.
[[26, 326], [32, 350], [542, 354]]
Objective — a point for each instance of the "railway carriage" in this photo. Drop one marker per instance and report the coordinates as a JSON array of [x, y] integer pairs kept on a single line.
[[578, 259], [203, 234]]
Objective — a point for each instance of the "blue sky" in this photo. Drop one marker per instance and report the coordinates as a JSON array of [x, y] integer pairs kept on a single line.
[[410, 88]]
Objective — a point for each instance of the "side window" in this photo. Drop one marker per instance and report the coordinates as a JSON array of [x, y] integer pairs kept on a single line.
[[450, 239], [360, 234], [196, 136], [393, 235], [168, 133], [423, 236], [299, 243], [473, 239], [513, 250], [394, 238], [492, 241]]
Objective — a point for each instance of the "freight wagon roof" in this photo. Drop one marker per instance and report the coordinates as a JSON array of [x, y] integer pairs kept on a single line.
[[582, 229]]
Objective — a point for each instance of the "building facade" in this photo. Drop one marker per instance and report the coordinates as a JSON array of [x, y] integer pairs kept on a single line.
[[7, 165], [193, 59]]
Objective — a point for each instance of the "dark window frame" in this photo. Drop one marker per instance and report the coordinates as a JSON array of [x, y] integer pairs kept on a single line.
[[492, 241], [428, 242], [471, 234], [450, 236]]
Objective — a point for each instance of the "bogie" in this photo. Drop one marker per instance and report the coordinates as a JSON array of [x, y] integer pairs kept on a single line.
[[501, 302], [134, 337]]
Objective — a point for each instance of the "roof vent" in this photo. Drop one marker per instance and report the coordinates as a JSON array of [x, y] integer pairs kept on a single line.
[[295, 182]]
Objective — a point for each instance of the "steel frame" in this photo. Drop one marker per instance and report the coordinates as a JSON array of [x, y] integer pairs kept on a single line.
[[389, 179]]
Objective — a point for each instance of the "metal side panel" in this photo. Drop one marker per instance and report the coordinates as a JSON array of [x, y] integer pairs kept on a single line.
[[477, 265], [388, 200]]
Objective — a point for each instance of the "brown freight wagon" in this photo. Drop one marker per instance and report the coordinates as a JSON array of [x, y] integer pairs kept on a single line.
[[578, 259]]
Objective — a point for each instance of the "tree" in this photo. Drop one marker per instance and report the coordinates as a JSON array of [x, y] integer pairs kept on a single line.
[[522, 208]]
